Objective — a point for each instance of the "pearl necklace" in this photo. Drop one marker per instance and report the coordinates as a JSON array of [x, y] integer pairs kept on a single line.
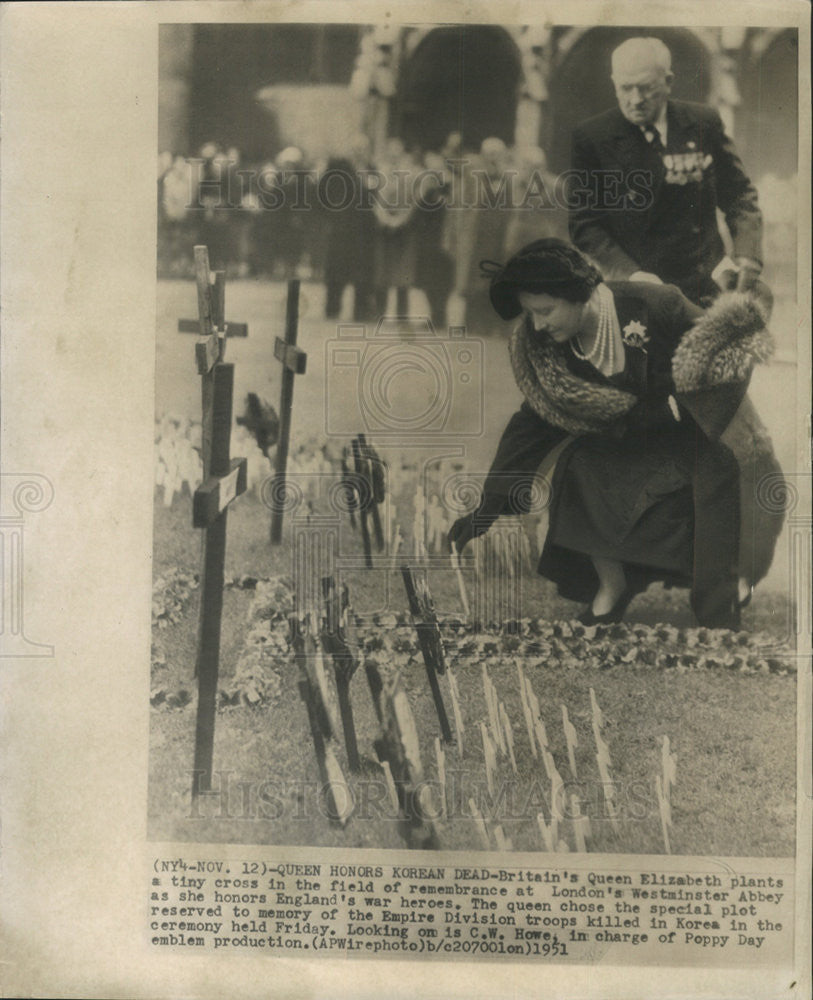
[[602, 353]]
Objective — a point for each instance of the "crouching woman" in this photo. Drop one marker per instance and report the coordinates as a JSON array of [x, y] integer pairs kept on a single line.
[[636, 384]]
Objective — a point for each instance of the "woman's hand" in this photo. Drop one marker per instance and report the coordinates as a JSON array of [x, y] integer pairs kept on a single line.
[[462, 532]]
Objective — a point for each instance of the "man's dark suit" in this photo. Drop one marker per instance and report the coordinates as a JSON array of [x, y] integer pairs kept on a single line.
[[674, 235]]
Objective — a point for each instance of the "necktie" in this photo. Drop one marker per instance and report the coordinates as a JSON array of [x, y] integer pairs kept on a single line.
[[653, 137]]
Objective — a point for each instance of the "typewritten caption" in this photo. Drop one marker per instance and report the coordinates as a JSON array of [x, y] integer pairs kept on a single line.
[[557, 914]]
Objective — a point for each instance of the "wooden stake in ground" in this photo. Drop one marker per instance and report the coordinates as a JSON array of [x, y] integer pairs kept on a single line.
[[669, 766], [502, 842], [598, 715], [392, 791], [458, 715], [580, 824], [454, 558], [557, 791], [340, 643], [665, 811], [571, 739], [526, 707], [505, 725], [314, 692], [480, 823], [399, 747], [397, 542], [440, 757], [548, 833], [489, 757], [491, 706], [608, 788], [294, 361], [422, 609], [223, 480]]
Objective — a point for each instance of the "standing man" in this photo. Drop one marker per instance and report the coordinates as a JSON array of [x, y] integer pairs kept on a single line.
[[682, 168]]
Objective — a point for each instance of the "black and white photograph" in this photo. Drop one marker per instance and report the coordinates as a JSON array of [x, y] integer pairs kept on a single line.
[[500, 326], [406, 413]]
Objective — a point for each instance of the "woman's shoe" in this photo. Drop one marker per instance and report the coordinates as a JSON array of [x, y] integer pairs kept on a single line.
[[611, 617], [747, 599]]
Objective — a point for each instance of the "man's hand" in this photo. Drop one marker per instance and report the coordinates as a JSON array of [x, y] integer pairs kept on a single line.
[[647, 276], [748, 273]]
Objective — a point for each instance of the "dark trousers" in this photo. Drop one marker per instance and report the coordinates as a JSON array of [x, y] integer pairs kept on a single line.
[[401, 300], [362, 301]]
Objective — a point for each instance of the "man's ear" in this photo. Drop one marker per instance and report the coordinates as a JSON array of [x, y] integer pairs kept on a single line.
[[668, 79]]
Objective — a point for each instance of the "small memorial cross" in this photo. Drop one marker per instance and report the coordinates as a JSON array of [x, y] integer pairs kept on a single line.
[[339, 640], [314, 692], [422, 609]]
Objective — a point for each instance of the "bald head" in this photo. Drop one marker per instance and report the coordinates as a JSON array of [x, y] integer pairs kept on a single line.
[[642, 76]]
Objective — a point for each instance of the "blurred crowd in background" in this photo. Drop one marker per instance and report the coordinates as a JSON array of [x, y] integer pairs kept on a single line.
[[328, 221], [408, 220]]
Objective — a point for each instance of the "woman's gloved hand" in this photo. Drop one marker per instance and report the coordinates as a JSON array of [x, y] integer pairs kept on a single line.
[[474, 524], [461, 533]]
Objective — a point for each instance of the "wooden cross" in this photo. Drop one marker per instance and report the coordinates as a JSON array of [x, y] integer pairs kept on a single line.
[[399, 747], [211, 305], [369, 490], [377, 483], [314, 693], [348, 485], [339, 641], [223, 480], [294, 361], [572, 740], [422, 609]]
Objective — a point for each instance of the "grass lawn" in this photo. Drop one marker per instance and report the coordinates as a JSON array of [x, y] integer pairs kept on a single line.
[[728, 714]]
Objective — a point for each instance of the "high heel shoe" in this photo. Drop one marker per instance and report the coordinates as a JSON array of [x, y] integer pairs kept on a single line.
[[747, 599], [611, 617]]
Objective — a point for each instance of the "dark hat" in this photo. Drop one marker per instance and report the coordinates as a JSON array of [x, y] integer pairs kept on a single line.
[[548, 266]]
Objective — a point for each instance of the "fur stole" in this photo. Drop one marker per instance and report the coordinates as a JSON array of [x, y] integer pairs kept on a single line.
[[723, 346], [720, 350], [555, 393]]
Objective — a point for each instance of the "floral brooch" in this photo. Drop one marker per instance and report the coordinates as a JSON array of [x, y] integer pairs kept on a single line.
[[635, 334]]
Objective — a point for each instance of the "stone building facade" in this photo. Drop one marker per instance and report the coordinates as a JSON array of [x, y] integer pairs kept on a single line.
[[261, 87]]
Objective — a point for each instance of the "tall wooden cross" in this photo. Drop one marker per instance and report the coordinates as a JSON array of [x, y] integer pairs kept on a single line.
[[294, 361], [224, 479], [211, 302]]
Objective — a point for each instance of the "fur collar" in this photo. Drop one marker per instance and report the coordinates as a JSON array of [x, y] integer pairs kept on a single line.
[[720, 349], [555, 393], [723, 346]]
